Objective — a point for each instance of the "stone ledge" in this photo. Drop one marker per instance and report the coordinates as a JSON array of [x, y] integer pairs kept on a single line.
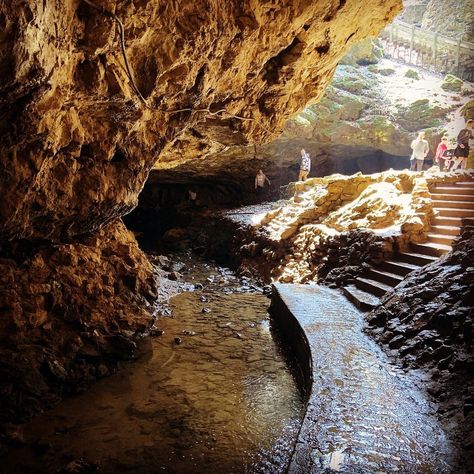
[[360, 408]]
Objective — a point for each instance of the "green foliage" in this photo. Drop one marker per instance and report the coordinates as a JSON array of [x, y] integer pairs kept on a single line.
[[412, 74]]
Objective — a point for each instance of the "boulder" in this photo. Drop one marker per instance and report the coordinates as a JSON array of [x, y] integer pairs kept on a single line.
[[366, 52], [452, 83], [420, 115]]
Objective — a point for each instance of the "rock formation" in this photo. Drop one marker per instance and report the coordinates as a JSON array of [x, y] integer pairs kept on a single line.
[[451, 18], [393, 205], [92, 94], [448, 17], [365, 121], [69, 311], [332, 227], [78, 142], [428, 322]]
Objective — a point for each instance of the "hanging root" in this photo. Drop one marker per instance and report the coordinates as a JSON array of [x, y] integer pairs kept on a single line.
[[219, 113]]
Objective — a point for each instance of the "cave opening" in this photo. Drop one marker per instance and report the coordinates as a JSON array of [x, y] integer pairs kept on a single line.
[[221, 247]]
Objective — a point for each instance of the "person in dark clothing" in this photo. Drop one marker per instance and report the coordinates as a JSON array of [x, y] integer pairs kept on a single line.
[[260, 179], [462, 150]]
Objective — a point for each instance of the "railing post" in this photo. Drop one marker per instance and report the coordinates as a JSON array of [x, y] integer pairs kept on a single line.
[[458, 54], [412, 41], [391, 33], [435, 49]]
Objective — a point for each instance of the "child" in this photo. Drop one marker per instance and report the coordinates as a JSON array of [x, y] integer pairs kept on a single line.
[[439, 157]]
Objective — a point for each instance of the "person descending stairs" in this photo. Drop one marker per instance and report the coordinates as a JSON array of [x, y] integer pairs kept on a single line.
[[454, 207]]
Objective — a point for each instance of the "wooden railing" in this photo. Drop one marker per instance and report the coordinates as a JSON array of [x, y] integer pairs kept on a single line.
[[429, 50]]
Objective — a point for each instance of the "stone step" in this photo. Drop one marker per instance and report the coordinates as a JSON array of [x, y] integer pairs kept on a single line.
[[453, 204], [383, 276], [416, 258], [452, 190], [446, 229], [447, 221], [440, 238], [431, 248], [452, 197], [454, 212], [360, 298], [371, 286], [464, 184], [397, 266]]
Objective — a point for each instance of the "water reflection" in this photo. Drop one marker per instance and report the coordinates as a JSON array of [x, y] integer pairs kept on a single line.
[[221, 401]]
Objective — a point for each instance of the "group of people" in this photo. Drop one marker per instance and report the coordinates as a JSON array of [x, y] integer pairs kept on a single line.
[[446, 159]]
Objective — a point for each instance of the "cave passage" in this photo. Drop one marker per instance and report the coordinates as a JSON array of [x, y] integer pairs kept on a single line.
[[161, 311]]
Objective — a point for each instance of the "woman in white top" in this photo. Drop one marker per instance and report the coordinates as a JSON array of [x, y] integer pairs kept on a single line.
[[420, 149]]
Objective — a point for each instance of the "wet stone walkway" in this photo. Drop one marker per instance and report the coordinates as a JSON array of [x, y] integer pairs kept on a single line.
[[364, 415]]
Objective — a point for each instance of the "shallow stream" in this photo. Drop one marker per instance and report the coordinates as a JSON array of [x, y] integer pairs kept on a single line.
[[213, 394]]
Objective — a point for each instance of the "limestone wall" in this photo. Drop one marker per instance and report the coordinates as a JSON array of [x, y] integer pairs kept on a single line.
[[384, 212]]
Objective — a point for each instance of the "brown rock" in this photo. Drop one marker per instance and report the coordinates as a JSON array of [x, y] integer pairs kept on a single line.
[[78, 141]]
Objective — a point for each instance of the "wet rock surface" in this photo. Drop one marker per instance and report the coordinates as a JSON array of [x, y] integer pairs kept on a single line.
[[364, 414], [427, 321], [69, 312], [221, 400]]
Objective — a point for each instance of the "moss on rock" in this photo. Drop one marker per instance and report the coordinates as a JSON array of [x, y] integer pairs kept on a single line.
[[421, 115], [468, 110], [353, 83], [412, 74], [452, 83]]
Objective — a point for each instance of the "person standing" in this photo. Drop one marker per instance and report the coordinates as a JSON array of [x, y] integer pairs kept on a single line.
[[462, 150], [305, 165], [420, 149], [260, 179], [192, 196], [439, 157]]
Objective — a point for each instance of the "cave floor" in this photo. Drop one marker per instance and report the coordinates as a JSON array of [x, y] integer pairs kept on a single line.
[[364, 414], [213, 393]]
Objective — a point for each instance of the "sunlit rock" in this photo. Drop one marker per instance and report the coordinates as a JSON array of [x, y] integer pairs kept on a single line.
[[391, 209]]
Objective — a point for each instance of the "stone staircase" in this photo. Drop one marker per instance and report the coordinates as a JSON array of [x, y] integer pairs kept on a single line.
[[454, 207]]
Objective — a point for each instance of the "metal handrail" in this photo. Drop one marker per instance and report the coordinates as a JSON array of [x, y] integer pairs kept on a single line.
[[408, 29]]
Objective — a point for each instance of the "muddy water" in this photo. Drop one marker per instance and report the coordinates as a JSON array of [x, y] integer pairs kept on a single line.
[[220, 401]]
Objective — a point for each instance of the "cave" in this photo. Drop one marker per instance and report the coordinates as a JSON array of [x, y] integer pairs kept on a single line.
[[220, 247]]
